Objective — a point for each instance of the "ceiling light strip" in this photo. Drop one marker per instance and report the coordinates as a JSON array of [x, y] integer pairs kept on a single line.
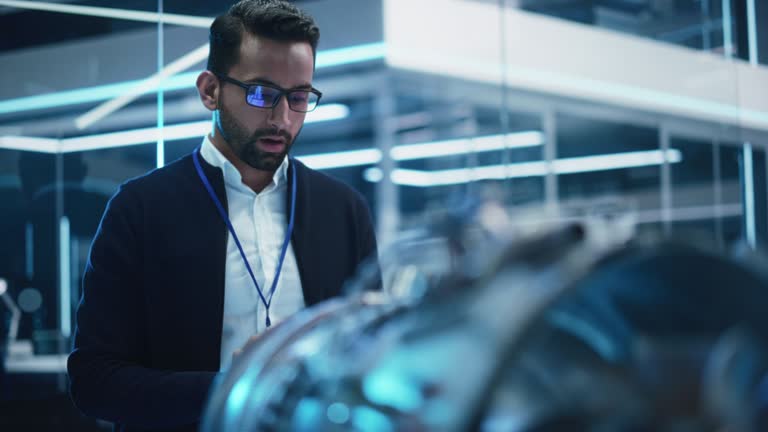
[[403, 152], [102, 12], [467, 145], [583, 164], [185, 62], [42, 145]]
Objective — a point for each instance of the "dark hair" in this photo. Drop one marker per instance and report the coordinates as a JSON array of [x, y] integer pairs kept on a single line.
[[272, 19]]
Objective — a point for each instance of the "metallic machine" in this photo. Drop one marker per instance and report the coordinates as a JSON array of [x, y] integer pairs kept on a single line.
[[572, 328]]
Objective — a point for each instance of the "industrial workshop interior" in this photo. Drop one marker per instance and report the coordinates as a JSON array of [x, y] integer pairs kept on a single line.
[[569, 200]]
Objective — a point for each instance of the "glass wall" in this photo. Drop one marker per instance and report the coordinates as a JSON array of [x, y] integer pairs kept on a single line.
[[697, 24], [445, 119], [62, 156]]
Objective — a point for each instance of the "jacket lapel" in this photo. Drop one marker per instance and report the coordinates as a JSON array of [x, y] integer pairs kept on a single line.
[[213, 232], [302, 233]]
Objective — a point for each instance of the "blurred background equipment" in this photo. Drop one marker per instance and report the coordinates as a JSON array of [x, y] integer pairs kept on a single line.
[[557, 330]]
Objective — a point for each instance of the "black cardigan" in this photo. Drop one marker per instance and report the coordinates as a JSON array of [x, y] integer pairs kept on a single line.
[[148, 337]]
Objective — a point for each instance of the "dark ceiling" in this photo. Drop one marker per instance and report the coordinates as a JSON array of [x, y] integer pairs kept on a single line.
[[29, 28]]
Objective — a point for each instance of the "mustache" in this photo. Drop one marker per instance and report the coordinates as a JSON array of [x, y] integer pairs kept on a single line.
[[260, 133]]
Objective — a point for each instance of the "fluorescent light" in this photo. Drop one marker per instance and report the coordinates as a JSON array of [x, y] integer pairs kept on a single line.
[[327, 112], [467, 145], [342, 159], [135, 137], [424, 150], [185, 62], [465, 175], [528, 169], [89, 94], [64, 98], [123, 14], [65, 278], [326, 58], [351, 54], [615, 161], [323, 113], [43, 145], [373, 175]]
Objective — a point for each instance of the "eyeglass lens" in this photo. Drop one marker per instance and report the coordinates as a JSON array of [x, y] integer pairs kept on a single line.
[[267, 97]]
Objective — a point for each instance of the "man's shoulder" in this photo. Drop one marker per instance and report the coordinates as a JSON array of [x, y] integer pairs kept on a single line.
[[160, 188], [323, 183], [169, 175]]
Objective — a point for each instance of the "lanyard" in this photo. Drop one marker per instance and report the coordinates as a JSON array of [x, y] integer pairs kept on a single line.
[[267, 302]]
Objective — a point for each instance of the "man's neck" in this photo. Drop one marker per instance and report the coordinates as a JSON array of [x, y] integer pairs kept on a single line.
[[254, 178]]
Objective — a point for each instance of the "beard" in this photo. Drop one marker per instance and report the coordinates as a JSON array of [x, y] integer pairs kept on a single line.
[[245, 145]]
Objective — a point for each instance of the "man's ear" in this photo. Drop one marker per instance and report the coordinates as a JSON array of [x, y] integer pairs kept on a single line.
[[208, 88]]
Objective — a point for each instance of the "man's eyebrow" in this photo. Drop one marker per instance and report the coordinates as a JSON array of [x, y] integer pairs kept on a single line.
[[261, 80]]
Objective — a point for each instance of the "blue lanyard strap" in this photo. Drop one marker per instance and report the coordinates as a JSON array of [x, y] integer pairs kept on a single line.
[[267, 302]]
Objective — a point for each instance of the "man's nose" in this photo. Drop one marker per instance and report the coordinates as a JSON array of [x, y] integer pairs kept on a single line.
[[281, 113]]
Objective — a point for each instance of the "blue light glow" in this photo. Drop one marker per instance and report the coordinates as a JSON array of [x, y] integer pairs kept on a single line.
[[237, 398], [306, 415], [353, 54], [338, 413], [369, 420], [392, 389]]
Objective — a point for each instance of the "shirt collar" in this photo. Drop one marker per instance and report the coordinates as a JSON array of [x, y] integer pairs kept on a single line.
[[232, 176]]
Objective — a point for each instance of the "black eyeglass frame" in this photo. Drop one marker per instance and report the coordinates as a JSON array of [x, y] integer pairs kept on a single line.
[[282, 92]]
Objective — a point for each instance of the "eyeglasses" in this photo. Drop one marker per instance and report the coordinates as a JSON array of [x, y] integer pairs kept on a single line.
[[268, 96]]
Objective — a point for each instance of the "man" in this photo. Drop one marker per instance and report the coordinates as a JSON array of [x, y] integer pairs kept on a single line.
[[182, 268]]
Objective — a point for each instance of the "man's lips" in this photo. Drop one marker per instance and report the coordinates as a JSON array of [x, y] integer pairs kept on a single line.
[[272, 143]]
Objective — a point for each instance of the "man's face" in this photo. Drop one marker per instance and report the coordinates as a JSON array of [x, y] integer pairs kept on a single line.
[[262, 137]]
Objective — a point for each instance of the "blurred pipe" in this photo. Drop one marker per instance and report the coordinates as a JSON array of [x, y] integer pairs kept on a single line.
[[727, 29], [748, 190], [752, 32]]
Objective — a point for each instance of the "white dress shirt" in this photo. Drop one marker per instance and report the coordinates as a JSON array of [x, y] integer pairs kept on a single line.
[[260, 222]]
